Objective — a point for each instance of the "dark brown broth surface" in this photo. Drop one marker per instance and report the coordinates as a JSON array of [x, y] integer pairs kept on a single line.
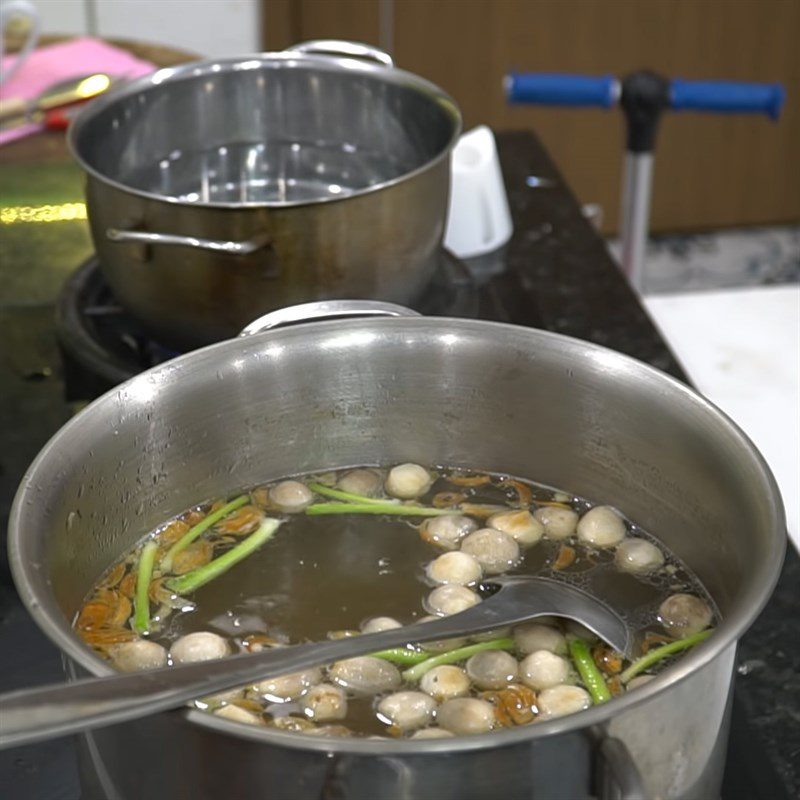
[[325, 574]]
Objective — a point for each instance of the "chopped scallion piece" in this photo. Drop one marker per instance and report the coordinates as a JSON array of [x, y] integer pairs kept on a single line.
[[348, 497], [191, 581], [201, 527], [383, 507], [654, 656], [413, 674], [141, 617], [591, 676]]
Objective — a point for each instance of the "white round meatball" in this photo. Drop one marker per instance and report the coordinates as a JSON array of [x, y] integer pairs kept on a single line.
[[237, 714], [324, 703], [365, 675], [522, 526], [364, 482], [492, 669], [450, 599], [639, 680], [454, 567], [494, 550], [533, 636], [638, 556], [407, 710], [447, 532], [224, 698], [543, 670], [379, 624], [335, 731], [579, 631], [292, 724], [441, 645], [432, 733], [559, 523], [487, 636], [200, 646], [445, 682], [291, 496], [684, 614], [136, 655], [559, 701], [408, 481], [601, 527], [345, 634], [288, 687], [464, 716]]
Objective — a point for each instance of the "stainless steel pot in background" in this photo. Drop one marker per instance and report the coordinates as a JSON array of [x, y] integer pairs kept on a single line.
[[453, 391], [219, 190]]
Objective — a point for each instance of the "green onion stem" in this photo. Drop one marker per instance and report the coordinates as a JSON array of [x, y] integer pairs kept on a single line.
[[383, 507], [654, 656], [193, 580], [413, 674], [141, 617], [196, 530], [404, 656], [591, 676], [348, 497]]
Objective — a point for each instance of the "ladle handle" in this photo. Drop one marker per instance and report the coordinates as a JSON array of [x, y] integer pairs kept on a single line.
[[30, 715]]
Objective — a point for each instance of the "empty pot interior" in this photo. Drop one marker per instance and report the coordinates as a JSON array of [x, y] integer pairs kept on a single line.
[[334, 394], [273, 129]]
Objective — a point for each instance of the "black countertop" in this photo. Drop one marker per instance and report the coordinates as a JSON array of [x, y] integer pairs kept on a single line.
[[555, 274]]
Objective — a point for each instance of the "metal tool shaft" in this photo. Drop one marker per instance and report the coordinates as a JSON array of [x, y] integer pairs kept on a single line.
[[637, 188]]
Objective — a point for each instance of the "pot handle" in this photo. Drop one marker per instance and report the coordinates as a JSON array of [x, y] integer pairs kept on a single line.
[[214, 245], [326, 309], [340, 47], [617, 774]]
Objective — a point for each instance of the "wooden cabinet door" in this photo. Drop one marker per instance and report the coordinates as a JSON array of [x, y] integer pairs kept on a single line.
[[711, 170]]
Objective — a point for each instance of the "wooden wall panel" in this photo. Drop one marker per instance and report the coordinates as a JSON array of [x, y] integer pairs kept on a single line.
[[287, 22], [280, 23], [710, 170]]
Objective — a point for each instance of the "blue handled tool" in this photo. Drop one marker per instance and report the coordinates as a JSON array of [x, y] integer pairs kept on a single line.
[[727, 97], [555, 89], [643, 97]]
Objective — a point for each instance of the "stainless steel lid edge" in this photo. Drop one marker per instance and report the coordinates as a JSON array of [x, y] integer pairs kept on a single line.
[[292, 59]]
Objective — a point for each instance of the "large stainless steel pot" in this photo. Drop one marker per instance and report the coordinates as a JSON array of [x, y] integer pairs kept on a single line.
[[462, 392], [219, 190]]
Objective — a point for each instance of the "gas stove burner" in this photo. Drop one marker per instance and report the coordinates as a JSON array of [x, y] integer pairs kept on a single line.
[[453, 292], [102, 345]]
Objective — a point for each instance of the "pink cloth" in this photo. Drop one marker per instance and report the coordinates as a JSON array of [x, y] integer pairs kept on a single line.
[[56, 62]]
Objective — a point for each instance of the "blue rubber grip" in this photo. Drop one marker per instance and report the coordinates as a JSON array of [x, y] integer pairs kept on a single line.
[[728, 97], [549, 89]]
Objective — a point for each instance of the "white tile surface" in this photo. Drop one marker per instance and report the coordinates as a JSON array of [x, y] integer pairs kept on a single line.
[[741, 348], [205, 27], [62, 16]]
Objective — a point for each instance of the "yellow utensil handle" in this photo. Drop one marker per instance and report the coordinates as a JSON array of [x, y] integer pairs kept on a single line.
[[13, 107]]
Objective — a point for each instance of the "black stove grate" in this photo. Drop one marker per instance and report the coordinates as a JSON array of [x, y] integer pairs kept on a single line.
[[102, 345]]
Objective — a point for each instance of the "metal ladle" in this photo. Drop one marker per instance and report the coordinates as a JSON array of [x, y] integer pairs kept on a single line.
[[30, 715]]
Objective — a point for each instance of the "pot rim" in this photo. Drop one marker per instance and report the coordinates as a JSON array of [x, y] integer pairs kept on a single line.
[[724, 637], [286, 59]]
